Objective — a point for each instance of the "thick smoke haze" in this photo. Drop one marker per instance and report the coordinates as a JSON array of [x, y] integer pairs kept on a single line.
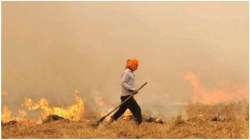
[[51, 49]]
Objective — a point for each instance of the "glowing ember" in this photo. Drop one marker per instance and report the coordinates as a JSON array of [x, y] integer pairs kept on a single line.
[[202, 95]]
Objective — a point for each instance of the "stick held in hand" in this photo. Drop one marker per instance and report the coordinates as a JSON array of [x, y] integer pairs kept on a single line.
[[102, 118]]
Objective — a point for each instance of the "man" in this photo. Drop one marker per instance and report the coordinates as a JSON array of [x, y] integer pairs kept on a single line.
[[127, 85]]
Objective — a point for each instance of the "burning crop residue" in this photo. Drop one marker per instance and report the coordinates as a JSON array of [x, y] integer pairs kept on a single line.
[[210, 118], [203, 121], [72, 112], [205, 96], [6, 114]]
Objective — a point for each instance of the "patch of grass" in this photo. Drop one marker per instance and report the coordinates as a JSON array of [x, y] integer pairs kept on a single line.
[[198, 124]]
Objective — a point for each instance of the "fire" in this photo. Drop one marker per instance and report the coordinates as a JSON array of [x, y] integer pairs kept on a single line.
[[73, 112], [100, 101], [205, 96], [22, 114], [127, 115], [103, 106], [6, 114]]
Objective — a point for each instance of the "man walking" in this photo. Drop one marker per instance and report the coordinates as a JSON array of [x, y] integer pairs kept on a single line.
[[128, 89]]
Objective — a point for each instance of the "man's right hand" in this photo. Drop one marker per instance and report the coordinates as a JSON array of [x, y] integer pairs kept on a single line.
[[135, 91]]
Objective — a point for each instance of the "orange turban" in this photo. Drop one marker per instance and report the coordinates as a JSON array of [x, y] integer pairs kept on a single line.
[[132, 64]]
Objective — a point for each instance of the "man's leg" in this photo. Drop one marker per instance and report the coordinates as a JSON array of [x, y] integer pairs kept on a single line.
[[135, 109], [121, 110]]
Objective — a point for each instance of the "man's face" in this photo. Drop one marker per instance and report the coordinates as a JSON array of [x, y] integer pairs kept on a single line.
[[135, 67]]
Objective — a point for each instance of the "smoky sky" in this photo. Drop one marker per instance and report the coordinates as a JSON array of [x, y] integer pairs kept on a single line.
[[50, 49]]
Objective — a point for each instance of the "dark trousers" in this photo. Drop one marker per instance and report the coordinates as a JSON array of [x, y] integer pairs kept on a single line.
[[132, 105]]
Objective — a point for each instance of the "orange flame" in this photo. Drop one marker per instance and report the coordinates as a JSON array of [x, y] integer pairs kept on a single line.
[[103, 106], [22, 115], [127, 115], [6, 114], [72, 112], [100, 101], [202, 95]]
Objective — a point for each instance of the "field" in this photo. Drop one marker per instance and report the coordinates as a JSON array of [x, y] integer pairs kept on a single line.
[[200, 121]]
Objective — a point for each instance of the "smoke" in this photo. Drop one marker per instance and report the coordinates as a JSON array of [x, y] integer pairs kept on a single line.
[[51, 49]]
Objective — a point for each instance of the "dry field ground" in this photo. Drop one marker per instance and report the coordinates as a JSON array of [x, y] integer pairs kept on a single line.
[[199, 121]]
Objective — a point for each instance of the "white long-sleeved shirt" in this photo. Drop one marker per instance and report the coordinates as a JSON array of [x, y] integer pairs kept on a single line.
[[127, 82]]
